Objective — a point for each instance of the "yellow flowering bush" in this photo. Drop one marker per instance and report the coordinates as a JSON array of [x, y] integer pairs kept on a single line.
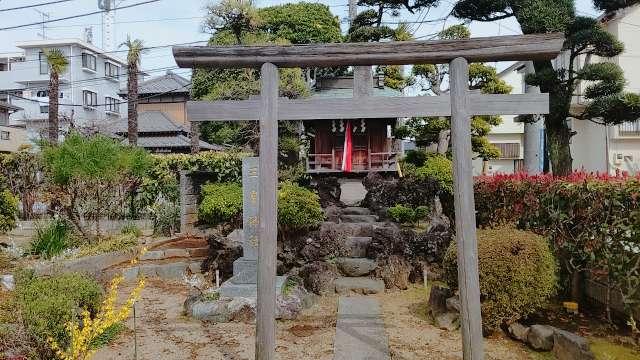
[[83, 335]]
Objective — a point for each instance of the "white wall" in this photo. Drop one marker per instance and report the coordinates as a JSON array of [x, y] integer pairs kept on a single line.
[[26, 75]]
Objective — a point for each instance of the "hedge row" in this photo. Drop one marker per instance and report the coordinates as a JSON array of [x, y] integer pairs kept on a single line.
[[591, 221]]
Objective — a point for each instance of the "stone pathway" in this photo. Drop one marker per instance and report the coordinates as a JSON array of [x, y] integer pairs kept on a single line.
[[360, 333]]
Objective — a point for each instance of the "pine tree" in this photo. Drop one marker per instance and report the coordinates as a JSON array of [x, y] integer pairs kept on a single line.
[[586, 38]]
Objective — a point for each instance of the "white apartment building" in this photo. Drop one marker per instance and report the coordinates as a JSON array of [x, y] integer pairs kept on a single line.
[[595, 148], [88, 89]]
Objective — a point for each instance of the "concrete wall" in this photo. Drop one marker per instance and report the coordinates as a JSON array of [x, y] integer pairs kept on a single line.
[[17, 137]]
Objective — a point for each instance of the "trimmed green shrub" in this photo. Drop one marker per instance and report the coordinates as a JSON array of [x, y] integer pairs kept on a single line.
[[8, 210], [402, 214], [298, 208], [517, 274], [422, 212], [416, 157], [48, 303], [407, 215], [438, 167], [221, 203], [51, 238]]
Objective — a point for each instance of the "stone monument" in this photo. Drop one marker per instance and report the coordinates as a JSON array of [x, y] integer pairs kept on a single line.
[[245, 269]]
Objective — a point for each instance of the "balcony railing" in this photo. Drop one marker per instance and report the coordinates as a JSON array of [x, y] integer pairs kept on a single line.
[[630, 129]]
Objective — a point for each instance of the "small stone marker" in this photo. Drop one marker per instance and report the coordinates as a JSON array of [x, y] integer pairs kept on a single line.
[[245, 269], [360, 333]]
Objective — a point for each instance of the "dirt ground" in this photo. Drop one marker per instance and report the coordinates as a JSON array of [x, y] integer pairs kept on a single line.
[[164, 333]]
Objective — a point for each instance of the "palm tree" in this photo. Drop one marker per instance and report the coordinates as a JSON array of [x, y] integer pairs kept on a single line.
[[136, 48], [58, 63]]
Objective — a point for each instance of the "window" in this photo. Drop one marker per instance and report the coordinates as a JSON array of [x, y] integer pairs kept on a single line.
[[508, 150], [111, 70], [111, 105], [88, 61], [89, 98], [42, 93], [44, 66], [44, 109], [4, 135]]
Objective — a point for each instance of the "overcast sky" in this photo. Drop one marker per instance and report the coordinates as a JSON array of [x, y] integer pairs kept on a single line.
[[173, 21]]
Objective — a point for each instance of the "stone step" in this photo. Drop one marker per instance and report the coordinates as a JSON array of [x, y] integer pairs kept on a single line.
[[175, 253], [360, 333], [356, 267], [166, 271], [358, 285], [357, 246], [359, 219], [355, 211]]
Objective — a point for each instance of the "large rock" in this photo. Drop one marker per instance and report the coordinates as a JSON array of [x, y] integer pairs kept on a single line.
[[569, 346], [210, 307], [388, 240], [319, 277], [394, 271], [357, 246], [519, 331], [453, 304], [449, 321], [438, 300], [355, 267], [328, 189], [7, 282], [358, 285], [541, 337]]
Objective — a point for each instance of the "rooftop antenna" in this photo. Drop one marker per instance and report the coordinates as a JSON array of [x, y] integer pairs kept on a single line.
[[45, 17], [88, 34]]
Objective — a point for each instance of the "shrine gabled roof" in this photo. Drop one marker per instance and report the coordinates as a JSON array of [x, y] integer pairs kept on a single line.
[[348, 93]]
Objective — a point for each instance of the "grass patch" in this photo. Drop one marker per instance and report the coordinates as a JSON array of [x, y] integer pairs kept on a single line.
[[289, 285], [130, 228], [211, 296], [606, 350], [113, 243], [51, 238]]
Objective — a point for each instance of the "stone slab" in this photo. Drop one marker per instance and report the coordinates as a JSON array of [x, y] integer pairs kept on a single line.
[[230, 289], [358, 285], [250, 211], [360, 333]]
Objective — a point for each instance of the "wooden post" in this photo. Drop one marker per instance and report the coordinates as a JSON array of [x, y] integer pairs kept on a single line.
[[267, 250], [468, 278]]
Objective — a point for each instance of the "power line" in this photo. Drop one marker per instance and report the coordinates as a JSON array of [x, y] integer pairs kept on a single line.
[[129, 22], [34, 5], [79, 15], [125, 50]]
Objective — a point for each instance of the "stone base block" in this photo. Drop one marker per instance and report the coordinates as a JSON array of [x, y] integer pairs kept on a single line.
[[232, 289]]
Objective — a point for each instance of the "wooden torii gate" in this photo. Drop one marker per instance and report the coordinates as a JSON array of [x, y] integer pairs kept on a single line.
[[460, 104]]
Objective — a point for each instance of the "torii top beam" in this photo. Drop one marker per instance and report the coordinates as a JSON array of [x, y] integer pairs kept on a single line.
[[500, 48]]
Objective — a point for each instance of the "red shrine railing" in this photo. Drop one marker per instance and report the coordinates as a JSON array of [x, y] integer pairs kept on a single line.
[[363, 161]]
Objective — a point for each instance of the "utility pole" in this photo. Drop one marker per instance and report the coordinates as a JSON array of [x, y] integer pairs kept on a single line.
[[533, 134], [108, 24]]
